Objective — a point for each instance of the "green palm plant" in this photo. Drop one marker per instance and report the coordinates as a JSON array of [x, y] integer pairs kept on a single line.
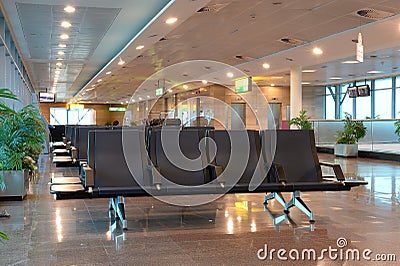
[[302, 121]]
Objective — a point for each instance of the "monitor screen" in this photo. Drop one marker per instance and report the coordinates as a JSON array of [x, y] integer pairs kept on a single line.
[[47, 97], [364, 90], [353, 93]]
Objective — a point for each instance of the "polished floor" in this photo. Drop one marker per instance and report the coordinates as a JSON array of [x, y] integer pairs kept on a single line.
[[234, 230]]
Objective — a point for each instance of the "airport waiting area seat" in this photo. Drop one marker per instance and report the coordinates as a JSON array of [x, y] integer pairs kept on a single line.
[[118, 166]]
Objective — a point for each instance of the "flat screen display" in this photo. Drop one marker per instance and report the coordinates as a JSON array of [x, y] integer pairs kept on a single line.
[[47, 97], [353, 92], [363, 90]]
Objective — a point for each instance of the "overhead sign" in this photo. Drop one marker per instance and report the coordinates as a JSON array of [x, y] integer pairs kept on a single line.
[[117, 109], [159, 91], [243, 84], [360, 49]]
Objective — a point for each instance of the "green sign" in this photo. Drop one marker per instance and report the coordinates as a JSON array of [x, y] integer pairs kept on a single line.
[[159, 91], [242, 85], [117, 109]]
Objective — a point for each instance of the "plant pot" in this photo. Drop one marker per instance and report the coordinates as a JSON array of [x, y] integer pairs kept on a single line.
[[17, 184], [346, 150]]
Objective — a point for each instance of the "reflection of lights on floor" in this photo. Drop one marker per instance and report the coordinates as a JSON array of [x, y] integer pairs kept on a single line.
[[239, 218], [108, 234], [226, 214], [59, 225], [253, 227], [230, 226]]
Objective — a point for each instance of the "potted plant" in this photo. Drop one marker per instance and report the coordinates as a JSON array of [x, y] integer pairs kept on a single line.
[[21, 136], [302, 121], [347, 139], [397, 128]]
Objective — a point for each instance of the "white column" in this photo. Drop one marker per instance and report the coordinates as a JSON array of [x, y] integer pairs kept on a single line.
[[296, 102]]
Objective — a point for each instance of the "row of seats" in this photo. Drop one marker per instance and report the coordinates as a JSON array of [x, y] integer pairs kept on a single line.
[[207, 161]]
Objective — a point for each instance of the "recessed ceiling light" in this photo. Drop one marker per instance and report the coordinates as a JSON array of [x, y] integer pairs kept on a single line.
[[277, 77], [64, 36], [62, 45], [350, 62], [61, 53], [57, 72], [69, 9], [60, 59], [148, 96], [170, 90], [185, 87], [171, 20], [121, 62], [204, 81], [99, 80], [374, 72], [335, 78], [140, 98], [140, 47], [229, 75], [108, 73], [317, 51], [58, 64], [66, 24], [309, 71], [272, 85], [266, 66], [305, 83], [133, 101]]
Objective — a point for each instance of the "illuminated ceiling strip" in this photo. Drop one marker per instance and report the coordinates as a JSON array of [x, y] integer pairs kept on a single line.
[[129, 43]]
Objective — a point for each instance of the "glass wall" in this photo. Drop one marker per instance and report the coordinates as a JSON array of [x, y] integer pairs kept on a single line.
[[383, 103], [63, 116]]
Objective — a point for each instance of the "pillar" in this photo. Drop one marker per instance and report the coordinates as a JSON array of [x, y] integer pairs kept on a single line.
[[296, 102]]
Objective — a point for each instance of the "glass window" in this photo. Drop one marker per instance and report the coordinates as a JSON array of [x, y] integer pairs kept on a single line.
[[58, 116], [385, 83], [363, 107], [383, 104], [62, 116], [398, 82], [397, 111], [329, 103], [347, 103]]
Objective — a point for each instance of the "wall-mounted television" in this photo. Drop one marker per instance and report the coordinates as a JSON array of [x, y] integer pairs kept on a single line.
[[353, 92], [47, 97], [364, 90]]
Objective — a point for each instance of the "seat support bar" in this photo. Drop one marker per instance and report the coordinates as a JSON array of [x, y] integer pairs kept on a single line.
[[117, 204]]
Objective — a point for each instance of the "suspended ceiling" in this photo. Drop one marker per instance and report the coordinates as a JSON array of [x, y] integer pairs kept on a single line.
[[244, 34]]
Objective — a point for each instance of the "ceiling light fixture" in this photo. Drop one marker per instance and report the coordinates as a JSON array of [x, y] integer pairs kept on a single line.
[[121, 62], [272, 85], [185, 87], [69, 9], [204, 81], [148, 96], [60, 59], [64, 36], [62, 45], [317, 51], [305, 83], [266, 66], [374, 72], [108, 73], [335, 78], [66, 24], [350, 62], [57, 72], [171, 20], [99, 80], [309, 71], [170, 90], [59, 64], [140, 47], [61, 53], [140, 98], [229, 75]]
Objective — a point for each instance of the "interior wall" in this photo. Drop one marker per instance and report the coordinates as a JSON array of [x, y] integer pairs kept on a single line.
[[103, 116]]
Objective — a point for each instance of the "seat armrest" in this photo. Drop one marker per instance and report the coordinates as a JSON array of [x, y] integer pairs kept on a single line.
[[88, 176], [336, 169]]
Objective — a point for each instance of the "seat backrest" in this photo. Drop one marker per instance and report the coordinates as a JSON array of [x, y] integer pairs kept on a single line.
[[296, 152], [191, 173], [224, 155], [57, 133], [108, 153], [81, 139]]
